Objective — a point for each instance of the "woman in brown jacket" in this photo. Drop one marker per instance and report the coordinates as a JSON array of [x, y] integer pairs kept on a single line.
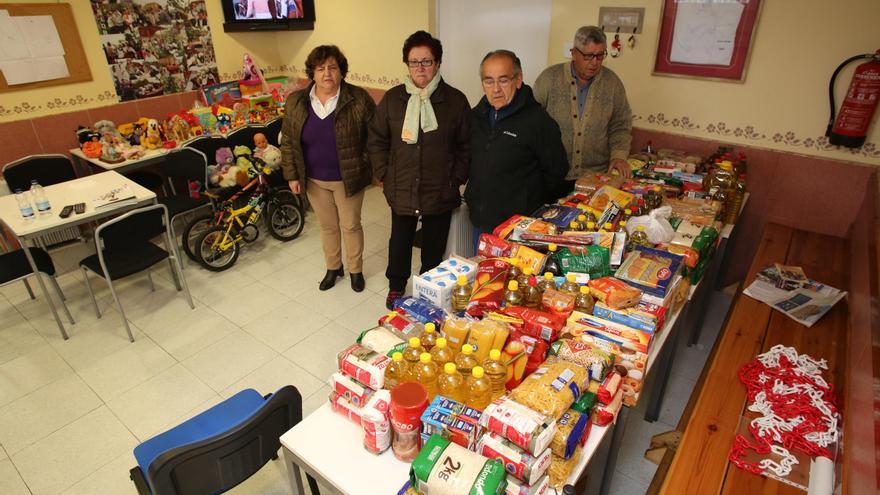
[[323, 149], [419, 147]]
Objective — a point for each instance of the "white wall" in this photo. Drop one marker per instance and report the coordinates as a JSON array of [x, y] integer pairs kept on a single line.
[[470, 29]]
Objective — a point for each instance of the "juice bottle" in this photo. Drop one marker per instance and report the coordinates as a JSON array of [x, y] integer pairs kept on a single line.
[[426, 374], [627, 213], [429, 336], [450, 383], [570, 286], [584, 301], [512, 296], [461, 294], [411, 358], [395, 371], [478, 389], [551, 263], [496, 371], [546, 282], [441, 353], [465, 360], [456, 331], [621, 227], [532, 295]]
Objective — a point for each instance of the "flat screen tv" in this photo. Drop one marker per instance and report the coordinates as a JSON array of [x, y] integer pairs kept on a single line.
[[268, 15]]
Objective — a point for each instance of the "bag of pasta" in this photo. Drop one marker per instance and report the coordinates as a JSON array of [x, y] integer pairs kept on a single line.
[[560, 469], [570, 430], [552, 388]]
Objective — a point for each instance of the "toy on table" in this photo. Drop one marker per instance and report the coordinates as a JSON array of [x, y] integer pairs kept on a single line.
[[177, 128], [252, 81], [224, 173], [266, 152], [224, 118], [195, 126], [114, 148], [248, 165], [90, 142], [137, 134], [153, 138]]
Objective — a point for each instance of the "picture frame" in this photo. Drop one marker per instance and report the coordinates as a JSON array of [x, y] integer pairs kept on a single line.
[[713, 40]]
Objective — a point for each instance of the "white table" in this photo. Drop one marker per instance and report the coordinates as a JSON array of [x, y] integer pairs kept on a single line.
[[82, 190], [150, 157]]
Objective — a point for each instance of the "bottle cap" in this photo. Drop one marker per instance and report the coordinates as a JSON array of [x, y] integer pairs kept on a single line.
[[623, 223], [478, 372], [461, 280], [608, 226], [425, 358], [573, 225], [449, 368], [591, 225], [441, 342], [467, 349], [584, 289], [430, 327], [415, 342], [640, 228], [552, 247], [570, 277], [527, 271], [533, 282], [495, 354], [548, 276], [582, 218], [513, 285], [656, 188], [397, 356], [392, 314], [629, 211]]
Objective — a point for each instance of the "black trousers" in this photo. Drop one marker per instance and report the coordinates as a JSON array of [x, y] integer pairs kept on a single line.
[[435, 231]]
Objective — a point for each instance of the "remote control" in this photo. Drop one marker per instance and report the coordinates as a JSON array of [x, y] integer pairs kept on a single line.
[[66, 211], [79, 208]]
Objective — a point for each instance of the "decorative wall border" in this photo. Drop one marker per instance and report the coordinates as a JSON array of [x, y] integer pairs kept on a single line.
[[750, 133]]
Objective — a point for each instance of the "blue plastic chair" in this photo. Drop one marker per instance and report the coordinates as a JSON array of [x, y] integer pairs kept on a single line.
[[221, 447]]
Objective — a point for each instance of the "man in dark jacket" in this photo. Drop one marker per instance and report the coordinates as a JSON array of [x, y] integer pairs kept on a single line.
[[419, 149], [518, 162]]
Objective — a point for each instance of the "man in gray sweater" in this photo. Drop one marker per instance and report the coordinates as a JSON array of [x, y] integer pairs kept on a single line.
[[589, 103]]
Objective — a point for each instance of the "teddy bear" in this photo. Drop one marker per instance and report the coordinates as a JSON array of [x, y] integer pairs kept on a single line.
[[224, 173]]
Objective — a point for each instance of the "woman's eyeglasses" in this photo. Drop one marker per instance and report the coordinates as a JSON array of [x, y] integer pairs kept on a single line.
[[424, 63]]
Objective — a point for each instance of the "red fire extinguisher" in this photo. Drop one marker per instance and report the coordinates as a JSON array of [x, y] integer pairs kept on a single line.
[[850, 128]]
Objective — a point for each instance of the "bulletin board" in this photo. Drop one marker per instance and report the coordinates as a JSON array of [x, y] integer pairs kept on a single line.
[[74, 54]]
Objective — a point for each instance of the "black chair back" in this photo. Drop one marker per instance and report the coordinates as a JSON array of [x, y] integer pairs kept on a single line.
[[273, 129], [219, 463], [244, 136], [187, 164], [132, 228], [208, 145], [45, 169]]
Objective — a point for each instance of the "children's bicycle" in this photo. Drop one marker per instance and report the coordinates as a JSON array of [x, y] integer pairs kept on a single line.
[[215, 241]]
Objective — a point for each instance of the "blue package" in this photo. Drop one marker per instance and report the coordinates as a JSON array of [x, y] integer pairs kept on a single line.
[[616, 317], [422, 311], [558, 215]]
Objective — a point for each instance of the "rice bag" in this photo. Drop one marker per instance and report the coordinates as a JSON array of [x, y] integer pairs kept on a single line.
[[443, 468], [594, 260], [517, 487], [381, 340], [552, 388], [517, 462], [376, 422], [557, 302], [488, 287], [364, 365], [603, 415], [521, 425], [421, 311], [560, 469], [536, 323], [570, 430], [350, 389], [614, 293], [597, 361]]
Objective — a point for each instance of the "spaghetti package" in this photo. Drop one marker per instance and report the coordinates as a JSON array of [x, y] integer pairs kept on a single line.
[[570, 431], [522, 465], [525, 427], [557, 302], [517, 487], [560, 469], [596, 360], [536, 323], [488, 287], [552, 388], [376, 422], [609, 387], [603, 415], [492, 246], [593, 260], [364, 365], [443, 468], [614, 293], [355, 393]]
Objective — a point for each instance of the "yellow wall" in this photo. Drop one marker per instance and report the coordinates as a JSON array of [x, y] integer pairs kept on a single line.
[[796, 47]]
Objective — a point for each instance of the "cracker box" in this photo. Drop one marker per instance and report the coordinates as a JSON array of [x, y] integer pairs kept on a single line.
[[450, 427], [646, 316], [650, 270]]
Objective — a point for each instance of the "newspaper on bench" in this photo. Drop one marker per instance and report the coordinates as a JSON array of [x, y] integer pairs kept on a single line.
[[806, 304]]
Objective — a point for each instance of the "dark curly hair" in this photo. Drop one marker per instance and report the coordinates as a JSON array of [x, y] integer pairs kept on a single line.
[[320, 55], [423, 38]]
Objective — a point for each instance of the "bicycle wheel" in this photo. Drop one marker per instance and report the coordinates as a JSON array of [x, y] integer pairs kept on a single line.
[[194, 229], [284, 220], [210, 255], [284, 195]]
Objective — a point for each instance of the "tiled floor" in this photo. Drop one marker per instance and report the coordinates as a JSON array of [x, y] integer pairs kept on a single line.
[[72, 411]]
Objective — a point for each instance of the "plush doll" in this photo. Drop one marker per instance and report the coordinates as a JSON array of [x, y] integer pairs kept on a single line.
[[125, 130], [245, 162], [137, 133], [224, 119], [153, 138], [92, 147], [266, 152], [220, 173], [84, 135]]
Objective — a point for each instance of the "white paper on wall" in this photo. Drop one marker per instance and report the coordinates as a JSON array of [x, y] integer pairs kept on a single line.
[[30, 49], [705, 33]]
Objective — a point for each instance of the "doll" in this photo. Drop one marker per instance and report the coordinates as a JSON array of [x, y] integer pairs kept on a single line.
[[252, 75], [137, 133], [266, 152], [153, 138], [92, 146]]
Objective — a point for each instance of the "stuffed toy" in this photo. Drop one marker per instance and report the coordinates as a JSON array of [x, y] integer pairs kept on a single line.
[[125, 130], [266, 152], [245, 162], [153, 138], [224, 119], [137, 134], [84, 135], [106, 127], [222, 174], [177, 128], [92, 147], [195, 126]]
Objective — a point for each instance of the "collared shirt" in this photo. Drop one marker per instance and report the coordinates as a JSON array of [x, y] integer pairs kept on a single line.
[[582, 91], [322, 110]]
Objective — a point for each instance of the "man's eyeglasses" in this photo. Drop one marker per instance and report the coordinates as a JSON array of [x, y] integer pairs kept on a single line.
[[589, 57], [501, 81], [424, 63]]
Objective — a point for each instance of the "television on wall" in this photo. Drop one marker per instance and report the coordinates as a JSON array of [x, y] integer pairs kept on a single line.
[[268, 15]]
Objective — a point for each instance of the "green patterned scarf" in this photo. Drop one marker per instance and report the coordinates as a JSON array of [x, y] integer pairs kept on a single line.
[[419, 111]]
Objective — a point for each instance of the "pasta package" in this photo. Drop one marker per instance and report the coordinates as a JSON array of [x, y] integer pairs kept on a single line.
[[552, 388], [593, 260], [423, 311], [603, 415], [364, 365], [570, 430], [644, 316], [585, 403], [596, 360], [525, 427], [536, 323], [522, 465], [488, 287], [560, 469], [443, 468], [614, 293], [517, 487]]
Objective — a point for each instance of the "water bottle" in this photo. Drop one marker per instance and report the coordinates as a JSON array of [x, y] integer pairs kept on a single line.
[[40, 199], [24, 206]]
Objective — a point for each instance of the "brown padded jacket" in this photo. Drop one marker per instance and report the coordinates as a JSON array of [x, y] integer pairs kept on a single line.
[[353, 112], [422, 178]]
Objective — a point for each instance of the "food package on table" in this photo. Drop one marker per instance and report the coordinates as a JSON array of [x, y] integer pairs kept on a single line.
[[585, 403], [353, 391], [376, 422], [456, 331], [697, 211], [557, 302], [689, 256], [591, 182], [536, 323], [345, 408], [505, 228], [593, 260], [595, 359], [625, 359], [608, 196], [559, 215], [614, 293], [614, 242], [576, 199], [522, 465], [492, 246], [570, 431], [421, 310], [514, 227], [443, 467], [650, 270], [524, 354], [364, 365], [401, 324], [528, 257], [643, 316], [436, 285], [458, 409], [525, 427], [517, 487], [381, 340], [622, 335], [485, 335], [560, 469], [488, 287], [603, 415], [442, 422], [552, 388], [610, 385]]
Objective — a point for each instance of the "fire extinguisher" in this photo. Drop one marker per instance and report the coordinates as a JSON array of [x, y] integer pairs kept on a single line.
[[850, 128]]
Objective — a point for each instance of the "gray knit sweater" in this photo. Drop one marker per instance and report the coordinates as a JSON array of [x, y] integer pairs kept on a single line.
[[603, 131]]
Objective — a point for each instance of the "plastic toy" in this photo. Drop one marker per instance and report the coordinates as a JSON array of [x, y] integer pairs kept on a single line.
[[252, 81], [224, 119], [266, 152]]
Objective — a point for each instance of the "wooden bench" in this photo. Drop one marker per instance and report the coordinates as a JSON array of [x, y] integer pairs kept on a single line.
[[700, 464]]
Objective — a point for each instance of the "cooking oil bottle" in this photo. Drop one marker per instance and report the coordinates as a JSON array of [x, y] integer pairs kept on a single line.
[[512, 297], [479, 389], [584, 301], [429, 336], [441, 353], [426, 374], [395, 371], [411, 358], [465, 360], [450, 383], [496, 371], [461, 294], [570, 286]]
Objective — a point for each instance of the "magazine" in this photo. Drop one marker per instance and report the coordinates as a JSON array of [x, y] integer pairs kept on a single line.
[[805, 303], [122, 195]]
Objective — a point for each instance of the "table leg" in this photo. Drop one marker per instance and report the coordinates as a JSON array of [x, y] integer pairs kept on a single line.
[[662, 370], [293, 472], [616, 440], [707, 288], [30, 258]]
